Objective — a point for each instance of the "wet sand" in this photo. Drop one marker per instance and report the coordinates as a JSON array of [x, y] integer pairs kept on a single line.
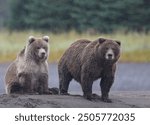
[[121, 99]]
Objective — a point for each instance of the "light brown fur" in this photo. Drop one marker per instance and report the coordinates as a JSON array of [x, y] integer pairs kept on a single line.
[[29, 72]]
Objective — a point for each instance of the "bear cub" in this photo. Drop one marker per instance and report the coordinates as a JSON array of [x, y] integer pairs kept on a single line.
[[29, 72], [86, 61]]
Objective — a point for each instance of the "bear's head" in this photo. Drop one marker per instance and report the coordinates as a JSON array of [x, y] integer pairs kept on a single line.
[[37, 48], [109, 50]]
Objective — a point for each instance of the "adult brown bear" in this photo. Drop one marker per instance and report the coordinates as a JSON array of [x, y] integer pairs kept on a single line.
[[87, 61]]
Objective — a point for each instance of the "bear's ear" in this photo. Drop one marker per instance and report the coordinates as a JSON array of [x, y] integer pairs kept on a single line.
[[46, 38], [118, 42], [101, 40], [31, 39]]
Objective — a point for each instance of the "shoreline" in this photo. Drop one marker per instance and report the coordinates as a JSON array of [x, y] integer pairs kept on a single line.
[[120, 99]]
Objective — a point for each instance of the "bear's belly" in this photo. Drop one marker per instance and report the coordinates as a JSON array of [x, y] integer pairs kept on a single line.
[[93, 76], [32, 68]]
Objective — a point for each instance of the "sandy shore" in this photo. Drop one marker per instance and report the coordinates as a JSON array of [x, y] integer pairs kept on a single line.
[[136, 99]]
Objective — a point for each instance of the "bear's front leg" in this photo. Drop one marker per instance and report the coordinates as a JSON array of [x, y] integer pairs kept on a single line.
[[105, 84], [25, 82], [43, 84]]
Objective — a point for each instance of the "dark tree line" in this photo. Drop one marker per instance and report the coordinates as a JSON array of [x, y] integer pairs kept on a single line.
[[82, 15]]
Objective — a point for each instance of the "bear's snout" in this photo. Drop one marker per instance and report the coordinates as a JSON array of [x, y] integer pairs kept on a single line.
[[109, 54], [42, 53]]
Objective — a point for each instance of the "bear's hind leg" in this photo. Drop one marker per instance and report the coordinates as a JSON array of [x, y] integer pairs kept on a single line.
[[14, 89], [86, 83], [64, 80], [87, 90]]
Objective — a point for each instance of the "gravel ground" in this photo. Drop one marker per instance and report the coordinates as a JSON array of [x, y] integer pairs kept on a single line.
[[120, 99]]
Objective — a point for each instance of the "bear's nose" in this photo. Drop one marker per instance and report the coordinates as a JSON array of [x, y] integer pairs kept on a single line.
[[43, 53], [109, 55]]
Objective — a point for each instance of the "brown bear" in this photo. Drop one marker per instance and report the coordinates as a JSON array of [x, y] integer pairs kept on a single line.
[[29, 72], [87, 61]]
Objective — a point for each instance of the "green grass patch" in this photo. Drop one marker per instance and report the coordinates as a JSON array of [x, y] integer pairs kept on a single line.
[[135, 47], [136, 56]]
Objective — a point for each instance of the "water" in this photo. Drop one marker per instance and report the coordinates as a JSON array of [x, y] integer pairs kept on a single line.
[[129, 77]]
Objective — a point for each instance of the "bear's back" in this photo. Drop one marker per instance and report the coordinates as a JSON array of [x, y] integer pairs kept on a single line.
[[82, 42], [74, 52]]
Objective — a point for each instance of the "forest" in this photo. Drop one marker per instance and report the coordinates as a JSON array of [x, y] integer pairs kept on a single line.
[[68, 20], [104, 16]]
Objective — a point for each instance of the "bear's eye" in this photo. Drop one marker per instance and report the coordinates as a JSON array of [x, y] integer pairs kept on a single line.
[[106, 48], [38, 48], [45, 48]]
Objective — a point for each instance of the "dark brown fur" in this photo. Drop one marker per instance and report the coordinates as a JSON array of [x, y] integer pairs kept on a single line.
[[85, 61]]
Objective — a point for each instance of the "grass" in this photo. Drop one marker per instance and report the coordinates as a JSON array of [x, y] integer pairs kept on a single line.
[[135, 47]]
